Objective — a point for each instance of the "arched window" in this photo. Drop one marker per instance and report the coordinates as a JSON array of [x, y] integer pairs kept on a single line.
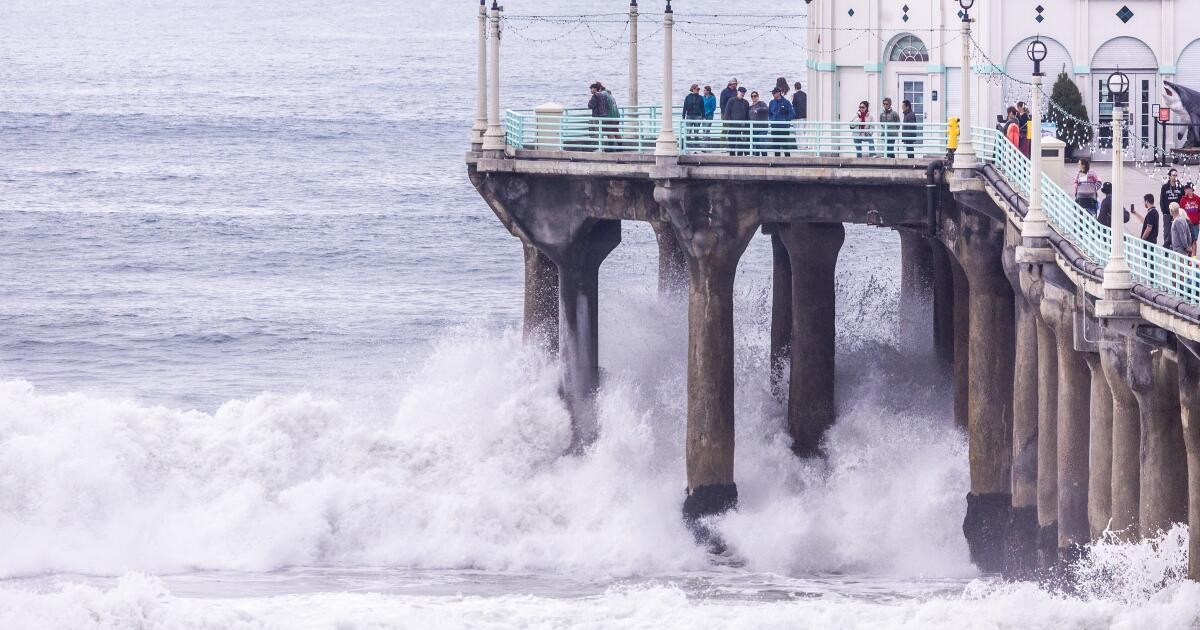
[[909, 48]]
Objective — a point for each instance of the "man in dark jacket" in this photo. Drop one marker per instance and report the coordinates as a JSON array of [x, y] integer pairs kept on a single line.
[[693, 112], [600, 104], [1171, 192], [781, 113], [729, 93], [1150, 225], [759, 115], [912, 128], [737, 132], [800, 103]]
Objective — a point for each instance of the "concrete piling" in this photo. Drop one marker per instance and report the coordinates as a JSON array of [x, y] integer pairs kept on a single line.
[[813, 250], [579, 325], [989, 409], [916, 312], [1099, 490], [962, 336], [1163, 493], [1023, 524], [1189, 402], [781, 315], [943, 306], [1126, 439], [1047, 493], [541, 299]]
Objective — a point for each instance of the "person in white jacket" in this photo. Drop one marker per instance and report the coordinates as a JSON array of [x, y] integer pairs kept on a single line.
[[861, 125]]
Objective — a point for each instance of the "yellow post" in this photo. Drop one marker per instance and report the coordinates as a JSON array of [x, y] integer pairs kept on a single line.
[[952, 133]]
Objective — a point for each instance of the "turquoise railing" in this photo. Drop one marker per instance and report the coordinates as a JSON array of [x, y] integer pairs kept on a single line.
[[637, 130], [1152, 265]]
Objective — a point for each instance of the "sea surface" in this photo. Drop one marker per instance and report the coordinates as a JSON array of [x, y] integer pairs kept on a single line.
[[260, 359]]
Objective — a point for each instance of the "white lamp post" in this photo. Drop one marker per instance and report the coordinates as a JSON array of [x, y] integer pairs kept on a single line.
[[633, 53], [965, 157], [1117, 278], [493, 139], [1035, 225], [667, 146], [481, 116]]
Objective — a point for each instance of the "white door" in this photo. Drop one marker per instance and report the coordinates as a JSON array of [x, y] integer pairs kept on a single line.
[[912, 88], [1139, 125]]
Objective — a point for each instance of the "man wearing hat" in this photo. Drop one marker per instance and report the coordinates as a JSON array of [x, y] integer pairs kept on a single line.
[[781, 115], [729, 93]]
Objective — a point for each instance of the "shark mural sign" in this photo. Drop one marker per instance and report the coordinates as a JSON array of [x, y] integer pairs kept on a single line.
[[1184, 103]]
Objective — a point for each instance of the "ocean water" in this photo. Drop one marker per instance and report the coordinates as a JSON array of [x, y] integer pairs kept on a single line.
[[260, 361]]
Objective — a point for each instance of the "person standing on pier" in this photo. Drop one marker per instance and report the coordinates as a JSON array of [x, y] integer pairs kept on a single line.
[[1171, 192], [1181, 232], [736, 114], [911, 127], [599, 105], [759, 113], [729, 93], [860, 127], [1023, 118], [710, 103], [693, 112], [781, 113], [889, 119], [1191, 207], [1150, 224], [800, 106], [1086, 187]]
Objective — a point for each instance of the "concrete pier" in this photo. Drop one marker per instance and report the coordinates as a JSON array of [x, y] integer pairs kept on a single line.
[[1074, 389], [1047, 502], [781, 315], [1163, 495], [962, 336], [813, 250], [579, 322], [916, 312], [1023, 525], [990, 367], [713, 237], [1126, 439], [943, 306], [541, 299], [1099, 490], [1189, 402]]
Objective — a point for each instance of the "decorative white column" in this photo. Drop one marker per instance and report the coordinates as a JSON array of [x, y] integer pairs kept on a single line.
[[1117, 278], [493, 139], [481, 115], [667, 146], [965, 157], [1035, 225], [633, 53]]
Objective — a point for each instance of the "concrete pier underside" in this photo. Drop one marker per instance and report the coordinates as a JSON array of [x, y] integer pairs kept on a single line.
[[1074, 424]]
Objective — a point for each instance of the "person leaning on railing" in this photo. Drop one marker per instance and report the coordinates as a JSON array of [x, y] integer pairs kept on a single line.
[[601, 107]]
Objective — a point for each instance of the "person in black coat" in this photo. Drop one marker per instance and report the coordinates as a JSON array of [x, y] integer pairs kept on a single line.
[[693, 111], [729, 93], [736, 112]]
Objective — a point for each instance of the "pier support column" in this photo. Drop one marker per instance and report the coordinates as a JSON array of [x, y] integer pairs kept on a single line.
[[1023, 524], [1163, 495], [916, 319], [1126, 438], [1074, 393], [541, 299], [714, 232], [962, 351], [1100, 449], [672, 264], [943, 306], [1189, 402], [781, 315], [813, 250], [989, 409], [1047, 501], [579, 325]]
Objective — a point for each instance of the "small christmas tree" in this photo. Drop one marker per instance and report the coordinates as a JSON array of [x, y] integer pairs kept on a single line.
[[1073, 128]]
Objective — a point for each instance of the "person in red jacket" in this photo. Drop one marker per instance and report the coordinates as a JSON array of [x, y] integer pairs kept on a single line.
[[1190, 203], [1012, 128]]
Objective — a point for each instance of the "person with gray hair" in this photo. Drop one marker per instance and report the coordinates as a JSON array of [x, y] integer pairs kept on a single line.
[[1181, 232]]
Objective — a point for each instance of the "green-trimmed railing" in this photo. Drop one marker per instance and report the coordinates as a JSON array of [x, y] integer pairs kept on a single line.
[[637, 130], [1152, 265]]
